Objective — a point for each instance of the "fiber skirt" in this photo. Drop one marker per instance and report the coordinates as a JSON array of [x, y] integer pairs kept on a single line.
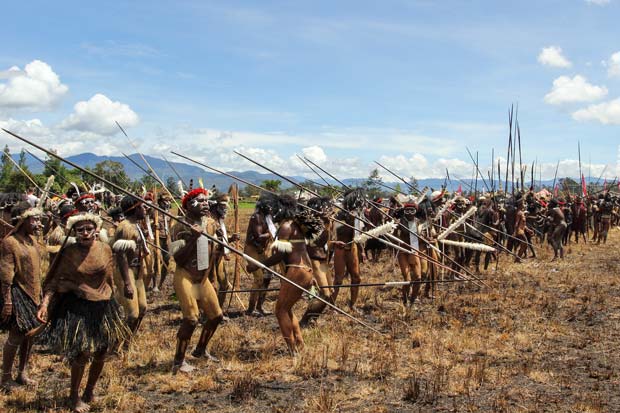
[[79, 326], [24, 316]]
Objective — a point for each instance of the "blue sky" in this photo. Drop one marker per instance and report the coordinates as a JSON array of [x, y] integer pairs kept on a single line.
[[408, 83]]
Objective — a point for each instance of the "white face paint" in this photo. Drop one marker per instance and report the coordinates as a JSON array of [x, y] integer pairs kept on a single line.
[[195, 203]]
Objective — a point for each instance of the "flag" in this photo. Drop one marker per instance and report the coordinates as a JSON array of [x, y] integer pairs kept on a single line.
[[556, 190], [459, 190], [605, 185], [584, 189]]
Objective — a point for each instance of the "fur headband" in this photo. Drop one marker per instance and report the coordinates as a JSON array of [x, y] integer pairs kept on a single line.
[[74, 219]]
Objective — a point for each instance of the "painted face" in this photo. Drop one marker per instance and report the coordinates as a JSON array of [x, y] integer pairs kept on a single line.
[[85, 232], [33, 225], [222, 209], [87, 205], [198, 206], [140, 211], [410, 212], [165, 205]]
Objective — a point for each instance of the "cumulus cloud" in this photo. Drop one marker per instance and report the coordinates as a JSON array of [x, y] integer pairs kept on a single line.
[[99, 115], [315, 154], [567, 90], [552, 56], [613, 65], [607, 113], [35, 88]]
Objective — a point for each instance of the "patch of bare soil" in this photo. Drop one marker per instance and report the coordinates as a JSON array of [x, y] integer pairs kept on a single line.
[[540, 336]]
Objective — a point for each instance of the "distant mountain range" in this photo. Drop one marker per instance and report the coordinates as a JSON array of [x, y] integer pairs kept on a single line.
[[222, 182]]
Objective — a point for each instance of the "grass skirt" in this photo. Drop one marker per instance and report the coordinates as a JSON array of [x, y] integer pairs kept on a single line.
[[24, 315], [79, 326]]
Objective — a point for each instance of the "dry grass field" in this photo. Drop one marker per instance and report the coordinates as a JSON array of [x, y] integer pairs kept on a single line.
[[541, 336]]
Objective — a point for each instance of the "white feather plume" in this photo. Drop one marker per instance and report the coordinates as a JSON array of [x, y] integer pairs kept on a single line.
[[282, 246], [468, 245], [443, 209], [180, 188], [77, 190], [457, 223], [384, 229], [422, 196]]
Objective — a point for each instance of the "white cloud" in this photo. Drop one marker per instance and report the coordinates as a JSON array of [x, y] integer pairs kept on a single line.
[[607, 113], [315, 154], [598, 2], [35, 88], [613, 65], [567, 90], [552, 56], [98, 115]]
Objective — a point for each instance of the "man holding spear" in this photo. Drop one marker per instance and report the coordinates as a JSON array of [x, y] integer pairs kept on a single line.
[[192, 252]]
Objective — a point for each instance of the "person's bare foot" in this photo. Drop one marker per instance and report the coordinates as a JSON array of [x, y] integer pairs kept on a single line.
[[204, 354], [89, 396], [7, 386], [80, 406], [24, 380], [184, 367]]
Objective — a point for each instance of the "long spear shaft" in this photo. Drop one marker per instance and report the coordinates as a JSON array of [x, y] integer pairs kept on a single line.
[[557, 166], [399, 178], [365, 221], [384, 284], [476, 164], [20, 169], [307, 207], [174, 170], [204, 233], [147, 172], [328, 174], [313, 170], [56, 174], [152, 170], [510, 114]]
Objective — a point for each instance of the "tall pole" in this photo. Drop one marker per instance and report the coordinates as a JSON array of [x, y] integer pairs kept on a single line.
[[203, 233]]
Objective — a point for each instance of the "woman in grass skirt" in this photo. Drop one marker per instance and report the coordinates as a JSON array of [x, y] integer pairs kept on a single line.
[[84, 320], [20, 291]]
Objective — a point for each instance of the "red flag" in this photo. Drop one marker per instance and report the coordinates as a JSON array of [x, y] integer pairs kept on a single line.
[[584, 189], [459, 191], [555, 190]]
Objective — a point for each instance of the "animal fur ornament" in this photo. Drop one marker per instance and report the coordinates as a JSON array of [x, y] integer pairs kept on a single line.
[[311, 224], [376, 232], [354, 199], [282, 246], [74, 219], [468, 245], [457, 223], [267, 203]]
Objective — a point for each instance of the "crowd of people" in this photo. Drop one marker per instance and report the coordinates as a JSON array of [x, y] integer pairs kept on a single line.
[[102, 262]]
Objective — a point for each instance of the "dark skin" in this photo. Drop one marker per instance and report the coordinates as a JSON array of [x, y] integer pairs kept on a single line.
[[409, 262], [17, 340], [289, 294], [86, 234], [197, 208], [123, 259]]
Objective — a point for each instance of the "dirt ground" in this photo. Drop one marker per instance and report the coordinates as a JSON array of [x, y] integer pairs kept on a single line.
[[538, 336]]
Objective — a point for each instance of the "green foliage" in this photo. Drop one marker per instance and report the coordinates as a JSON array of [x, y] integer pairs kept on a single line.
[[112, 171], [372, 185], [271, 184]]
